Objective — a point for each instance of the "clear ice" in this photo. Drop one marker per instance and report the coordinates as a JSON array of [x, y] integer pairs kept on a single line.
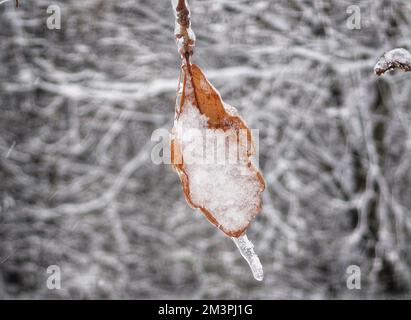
[[247, 251]]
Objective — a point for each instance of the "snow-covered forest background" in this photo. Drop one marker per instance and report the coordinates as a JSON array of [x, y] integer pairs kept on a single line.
[[78, 188]]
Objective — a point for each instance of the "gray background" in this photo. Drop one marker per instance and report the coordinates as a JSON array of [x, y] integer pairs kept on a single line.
[[78, 188]]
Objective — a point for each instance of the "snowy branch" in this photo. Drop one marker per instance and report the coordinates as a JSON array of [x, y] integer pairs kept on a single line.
[[395, 59], [185, 37]]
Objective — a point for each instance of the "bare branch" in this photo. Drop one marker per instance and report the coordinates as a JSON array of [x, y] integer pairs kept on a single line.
[[395, 59]]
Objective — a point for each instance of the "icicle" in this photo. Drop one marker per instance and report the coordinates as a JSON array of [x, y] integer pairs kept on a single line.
[[246, 249]]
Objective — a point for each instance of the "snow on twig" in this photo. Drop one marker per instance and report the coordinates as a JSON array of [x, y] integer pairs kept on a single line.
[[185, 37], [395, 59]]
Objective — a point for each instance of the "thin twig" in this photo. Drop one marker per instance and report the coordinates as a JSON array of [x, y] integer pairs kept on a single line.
[[185, 37]]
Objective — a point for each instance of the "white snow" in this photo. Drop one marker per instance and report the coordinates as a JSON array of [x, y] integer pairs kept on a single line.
[[219, 178], [400, 55], [396, 58]]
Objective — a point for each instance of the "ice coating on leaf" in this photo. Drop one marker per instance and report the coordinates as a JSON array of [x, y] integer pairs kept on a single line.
[[396, 58], [219, 180], [247, 251], [211, 152]]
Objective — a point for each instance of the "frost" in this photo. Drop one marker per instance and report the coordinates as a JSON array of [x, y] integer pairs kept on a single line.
[[247, 251]]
